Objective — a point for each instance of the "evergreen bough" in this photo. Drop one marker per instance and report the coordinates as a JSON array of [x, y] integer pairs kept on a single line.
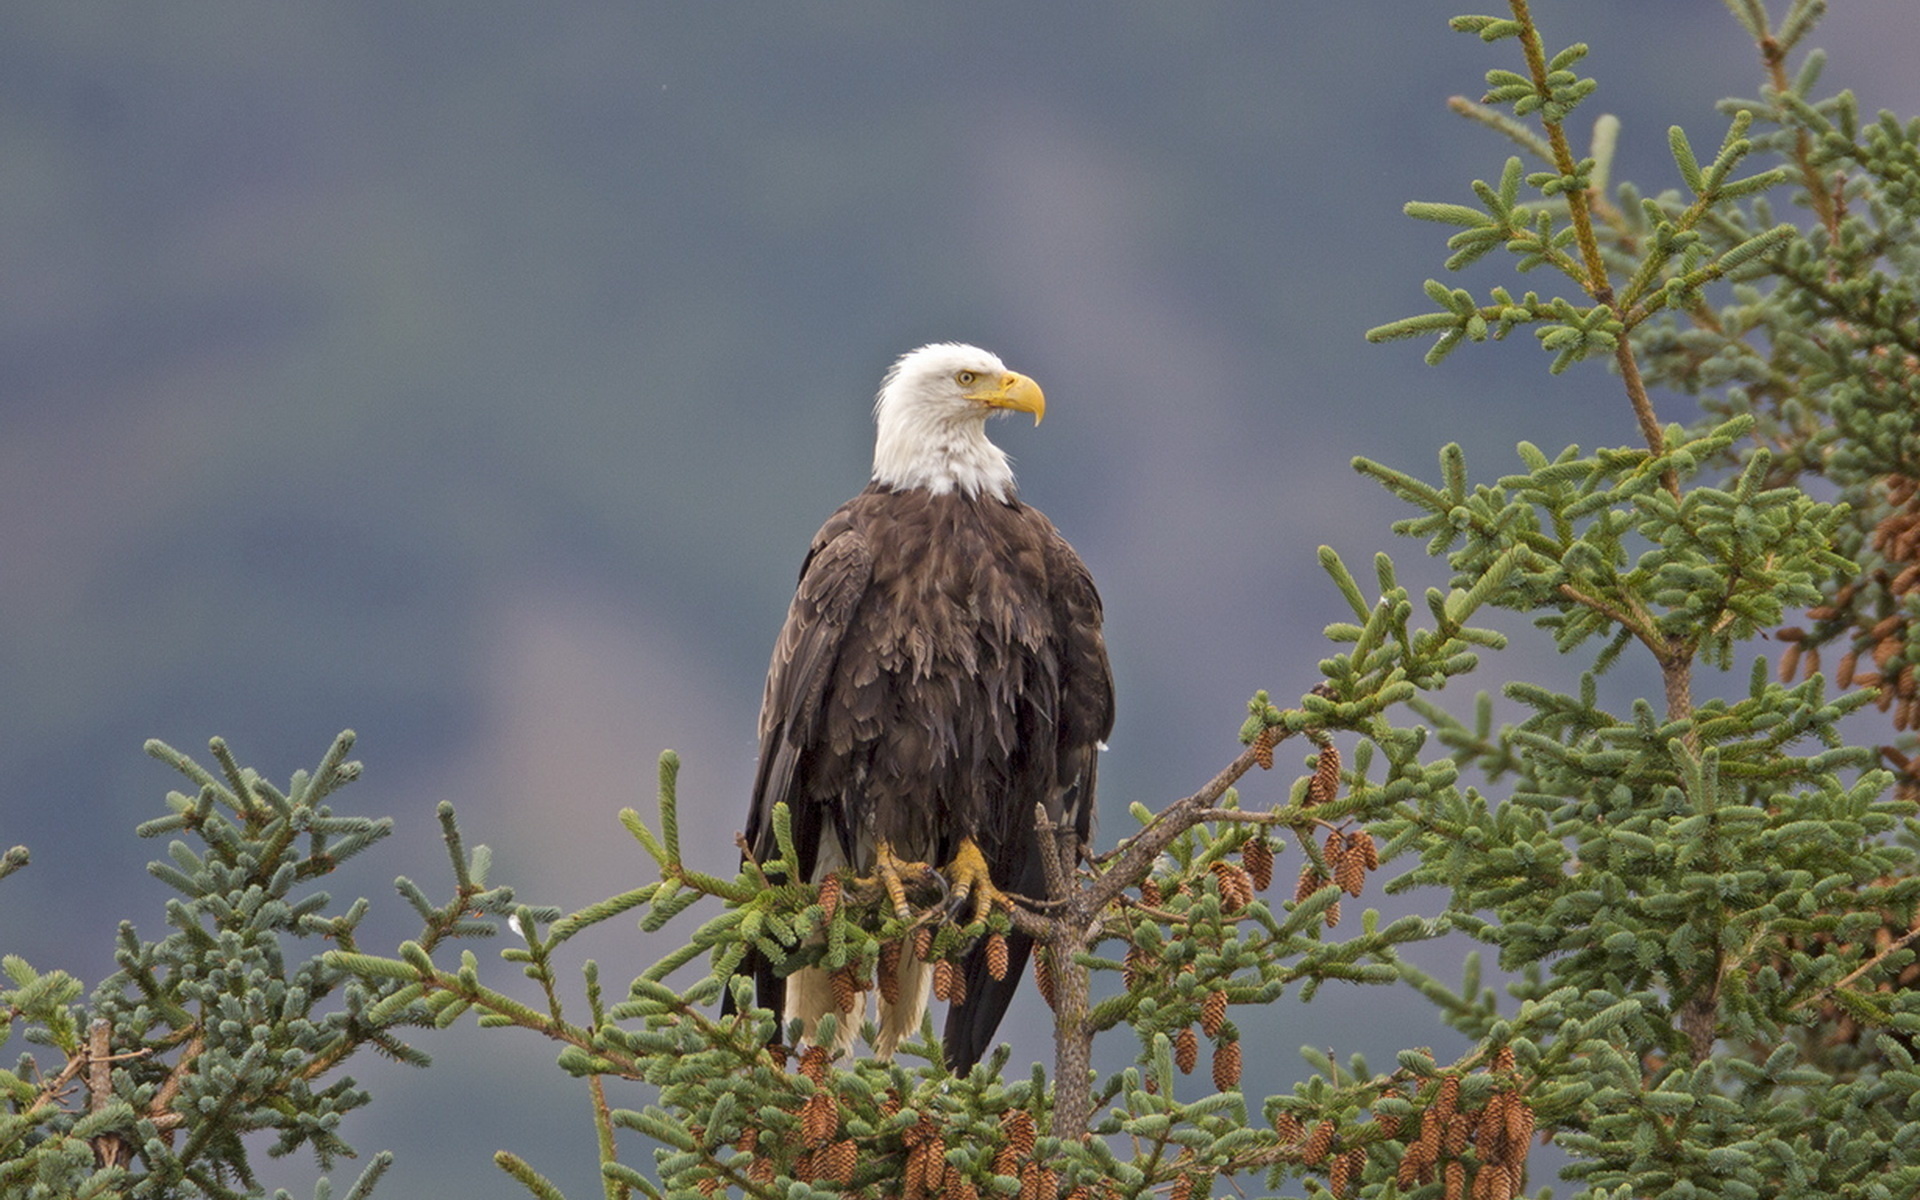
[[1707, 906], [216, 1031]]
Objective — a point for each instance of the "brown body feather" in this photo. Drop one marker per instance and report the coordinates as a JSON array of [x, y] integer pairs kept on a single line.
[[941, 672]]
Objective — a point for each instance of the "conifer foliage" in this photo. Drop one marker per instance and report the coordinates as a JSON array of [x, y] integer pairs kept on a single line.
[[1705, 899], [216, 1031]]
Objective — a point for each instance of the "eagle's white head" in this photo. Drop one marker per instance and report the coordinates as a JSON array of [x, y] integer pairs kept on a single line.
[[932, 414]]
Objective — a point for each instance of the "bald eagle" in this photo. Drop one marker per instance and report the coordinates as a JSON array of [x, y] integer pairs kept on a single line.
[[941, 672]]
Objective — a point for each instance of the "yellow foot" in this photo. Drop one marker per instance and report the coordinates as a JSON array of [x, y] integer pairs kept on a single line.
[[893, 873], [971, 881]]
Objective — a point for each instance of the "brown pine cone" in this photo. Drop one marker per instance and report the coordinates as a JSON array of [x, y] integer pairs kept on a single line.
[[1213, 1012], [1407, 1174], [1485, 1180], [1340, 1175], [1356, 1162], [1427, 1145], [1029, 1182], [1038, 1183], [1319, 1142], [846, 989], [819, 1120], [1043, 977], [936, 1170], [1351, 874], [1496, 1181], [997, 955], [1326, 776], [1257, 857], [804, 1167], [920, 1132], [814, 1062], [1311, 881], [1454, 1139], [1236, 889], [1226, 1066], [838, 1161], [926, 1166], [1263, 748], [1520, 1121], [830, 897], [948, 983], [1006, 1162], [1017, 1125], [1426, 1151], [890, 972], [1490, 1131], [1186, 1050], [1516, 1179], [920, 1160]]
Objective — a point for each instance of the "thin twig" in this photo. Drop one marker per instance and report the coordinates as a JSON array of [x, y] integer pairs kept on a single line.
[[160, 1112], [1597, 284], [1826, 993], [1774, 55], [1278, 816], [603, 1130]]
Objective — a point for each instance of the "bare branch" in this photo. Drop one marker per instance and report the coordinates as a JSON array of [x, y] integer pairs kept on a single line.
[[1136, 855]]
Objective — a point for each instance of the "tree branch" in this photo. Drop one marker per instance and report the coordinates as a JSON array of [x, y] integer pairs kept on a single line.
[[1580, 212], [1075, 927]]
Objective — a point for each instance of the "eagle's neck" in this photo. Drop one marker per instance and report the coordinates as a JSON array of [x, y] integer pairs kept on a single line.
[[920, 449]]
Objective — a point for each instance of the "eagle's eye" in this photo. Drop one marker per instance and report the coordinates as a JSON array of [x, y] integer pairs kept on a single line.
[[965, 378]]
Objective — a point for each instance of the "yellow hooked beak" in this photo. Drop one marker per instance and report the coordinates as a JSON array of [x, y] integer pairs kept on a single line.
[[1012, 391]]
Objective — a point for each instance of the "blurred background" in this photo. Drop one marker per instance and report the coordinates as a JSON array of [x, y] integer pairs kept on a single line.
[[474, 375]]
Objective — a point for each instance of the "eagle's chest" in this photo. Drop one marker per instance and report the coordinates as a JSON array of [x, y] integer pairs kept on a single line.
[[946, 615]]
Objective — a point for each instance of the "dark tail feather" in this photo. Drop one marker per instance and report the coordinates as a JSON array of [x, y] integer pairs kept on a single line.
[[972, 1023]]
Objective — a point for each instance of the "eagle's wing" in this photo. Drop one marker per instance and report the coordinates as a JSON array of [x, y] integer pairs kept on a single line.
[[1063, 767], [834, 577], [1086, 685]]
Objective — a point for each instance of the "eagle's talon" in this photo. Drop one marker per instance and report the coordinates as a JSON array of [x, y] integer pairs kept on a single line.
[[974, 891], [955, 906], [892, 872]]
